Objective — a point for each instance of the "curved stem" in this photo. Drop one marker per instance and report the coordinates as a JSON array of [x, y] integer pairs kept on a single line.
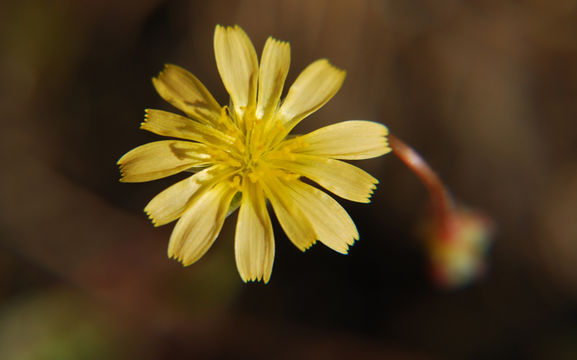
[[441, 201]]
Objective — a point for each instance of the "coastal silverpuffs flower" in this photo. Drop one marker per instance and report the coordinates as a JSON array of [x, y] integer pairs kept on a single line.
[[242, 156]]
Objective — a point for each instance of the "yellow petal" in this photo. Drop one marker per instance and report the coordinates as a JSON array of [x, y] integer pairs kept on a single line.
[[184, 91], [169, 205], [238, 66], [347, 140], [254, 239], [274, 67], [331, 223], [200, 224], [316, 85], [292, 219], [160, 159], [342, 179], [173, 125]]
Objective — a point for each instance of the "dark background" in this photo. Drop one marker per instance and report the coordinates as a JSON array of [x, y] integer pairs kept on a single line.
[[485, 90]]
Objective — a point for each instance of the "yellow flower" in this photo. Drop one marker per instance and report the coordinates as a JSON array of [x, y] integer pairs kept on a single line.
[[241, 156]]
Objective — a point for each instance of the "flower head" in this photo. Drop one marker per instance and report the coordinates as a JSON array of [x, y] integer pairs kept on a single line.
[[457, 245], [241, 156]]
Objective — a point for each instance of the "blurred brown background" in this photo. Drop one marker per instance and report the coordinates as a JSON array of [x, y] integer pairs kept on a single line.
[[485, 90]]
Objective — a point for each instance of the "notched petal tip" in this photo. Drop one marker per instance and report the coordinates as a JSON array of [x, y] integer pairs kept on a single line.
[[278, 42], [348, 245], [144, 121], [220, 27], [162, 73], [346, 250], [120, 162], [123, 175], [185, 263], [151, 217], [167, 67], [326, 62], [235, 27], [305, 248], [341, 250], [338, 73], [369, 197], [254, 279], [179, 258]]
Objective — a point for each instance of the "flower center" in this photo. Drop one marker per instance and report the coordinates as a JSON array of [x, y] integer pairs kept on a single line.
[[251, 146], [255, 149]]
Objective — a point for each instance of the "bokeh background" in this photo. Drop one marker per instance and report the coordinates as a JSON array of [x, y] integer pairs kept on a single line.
[[486, 90]]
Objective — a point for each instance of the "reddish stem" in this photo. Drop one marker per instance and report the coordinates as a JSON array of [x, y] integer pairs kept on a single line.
[[441, 201]]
